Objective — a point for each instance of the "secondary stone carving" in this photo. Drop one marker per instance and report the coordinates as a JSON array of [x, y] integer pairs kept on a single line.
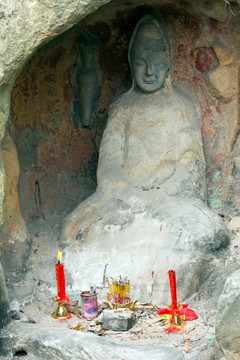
[[149, 212], [87, 76]]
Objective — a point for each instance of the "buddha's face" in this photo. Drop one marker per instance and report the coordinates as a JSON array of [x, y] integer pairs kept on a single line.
[[149, 62]]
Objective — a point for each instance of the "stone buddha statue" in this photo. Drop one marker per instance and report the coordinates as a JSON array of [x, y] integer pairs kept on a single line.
[[150, 211], [153, 138]]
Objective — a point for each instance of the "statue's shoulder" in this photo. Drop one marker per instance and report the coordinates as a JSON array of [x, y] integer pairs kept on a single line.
[[119, 104], [182, 97], [187, 106], [185, 102], [121, 99]]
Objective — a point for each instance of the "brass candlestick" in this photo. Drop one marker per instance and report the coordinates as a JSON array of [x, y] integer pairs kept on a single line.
[[61, 312], [176, 319]]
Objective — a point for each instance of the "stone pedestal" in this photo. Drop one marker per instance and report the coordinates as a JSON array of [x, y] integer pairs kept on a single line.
[[118, 320]]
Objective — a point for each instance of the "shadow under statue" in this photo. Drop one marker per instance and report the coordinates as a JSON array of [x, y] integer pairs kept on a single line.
[[149, 213]]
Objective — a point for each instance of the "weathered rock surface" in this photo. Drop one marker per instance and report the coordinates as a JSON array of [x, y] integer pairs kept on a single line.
[[4, 301], [228, 320], [222, 82], [13, 235], [64, 344], [34, 23]]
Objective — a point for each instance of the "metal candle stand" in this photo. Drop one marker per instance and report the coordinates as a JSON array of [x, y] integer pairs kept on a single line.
[[176, 313], [61, 313], [176, 321]]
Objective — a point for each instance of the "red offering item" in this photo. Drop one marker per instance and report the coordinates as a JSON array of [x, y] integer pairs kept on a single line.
[[69, 316], [173, 289], [187, 314], [60, 281]]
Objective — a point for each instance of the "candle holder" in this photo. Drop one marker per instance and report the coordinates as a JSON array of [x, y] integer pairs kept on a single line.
[[61, 313], [176, 313], [176, 321]]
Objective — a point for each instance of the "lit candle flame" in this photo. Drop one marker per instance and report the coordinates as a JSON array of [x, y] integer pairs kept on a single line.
[[59, 256]]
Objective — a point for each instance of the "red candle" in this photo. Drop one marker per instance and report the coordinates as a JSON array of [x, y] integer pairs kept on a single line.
[[173, 289], [60, 277]]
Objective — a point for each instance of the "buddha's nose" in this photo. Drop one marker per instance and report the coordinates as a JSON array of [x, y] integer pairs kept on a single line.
[[149, 70]]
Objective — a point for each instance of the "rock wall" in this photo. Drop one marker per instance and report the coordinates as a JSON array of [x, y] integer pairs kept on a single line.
[[227, 320], [14, 235], [58, 156]]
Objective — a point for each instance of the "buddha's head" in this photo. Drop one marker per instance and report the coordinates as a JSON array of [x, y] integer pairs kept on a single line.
[[148, 55]]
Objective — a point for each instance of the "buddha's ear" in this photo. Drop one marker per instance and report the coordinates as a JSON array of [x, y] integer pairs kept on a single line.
[[167, 63]]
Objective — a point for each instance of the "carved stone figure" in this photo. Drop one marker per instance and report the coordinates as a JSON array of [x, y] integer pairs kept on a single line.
[[153, 138], [87, 76], [149, 212]]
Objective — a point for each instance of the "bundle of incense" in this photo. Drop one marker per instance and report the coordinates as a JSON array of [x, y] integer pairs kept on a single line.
[[127, 295], [121, 296], [115, 291], [120, 290], [109, 286]]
